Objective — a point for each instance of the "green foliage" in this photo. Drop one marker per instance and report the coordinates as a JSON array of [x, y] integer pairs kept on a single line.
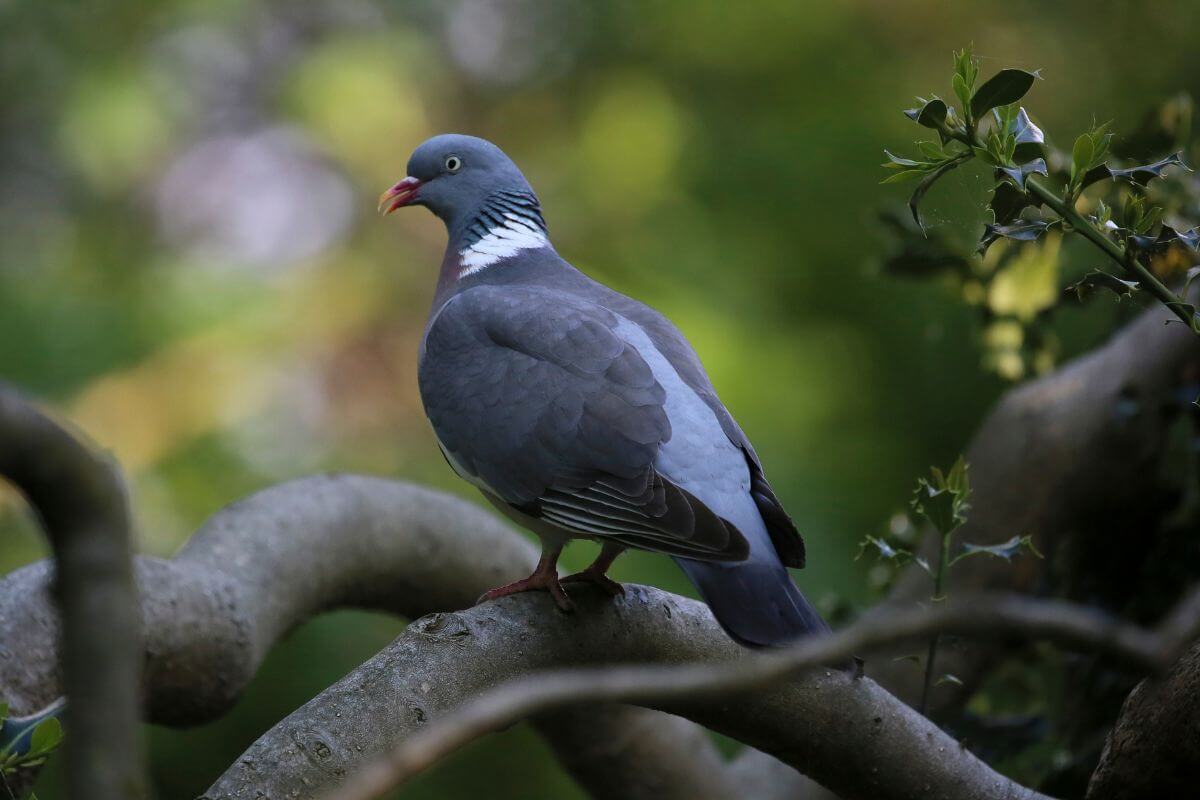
[[896, 554], [1089, 155], [942, 499], [1099, 279], [1144, 241], [1004, 88], [1006, 550], [966, 70], [28, 741]]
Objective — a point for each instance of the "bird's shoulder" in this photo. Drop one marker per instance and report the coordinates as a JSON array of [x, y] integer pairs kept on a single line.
[[540, 322]]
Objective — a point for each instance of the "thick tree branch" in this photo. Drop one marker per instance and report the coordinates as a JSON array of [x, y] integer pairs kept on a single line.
[[621, 751], [1072, 460], [996, 617], [1153, 750], [80, 500], [268, 563]]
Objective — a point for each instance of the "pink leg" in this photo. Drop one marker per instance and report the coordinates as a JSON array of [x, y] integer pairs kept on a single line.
[[544, 579], [595, 573]]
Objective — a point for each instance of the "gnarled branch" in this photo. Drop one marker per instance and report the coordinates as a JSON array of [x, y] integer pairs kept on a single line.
[[267, 563], [659, 686], [80, 500]]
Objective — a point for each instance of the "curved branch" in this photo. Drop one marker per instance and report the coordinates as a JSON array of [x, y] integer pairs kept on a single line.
[[80, 500], [994, 617], [264, 565]]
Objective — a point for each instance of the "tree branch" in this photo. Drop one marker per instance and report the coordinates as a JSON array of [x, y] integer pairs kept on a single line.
[[1153, 750], [80, 500], [268, 563], [1012, 616]]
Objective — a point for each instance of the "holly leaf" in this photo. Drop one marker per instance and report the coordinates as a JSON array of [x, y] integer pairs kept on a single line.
[[931, 113], [1098, 279], [942, 498], [1030, 140], [1144, 173], [897, 162], [1019, 174], [1139, 175], [1024, 230], [1024, 131], [1008, 202], [1006, 550], [1166, 237], [884, 549], [887, 552], [1006, 86], [1189, 239], [929, 180]]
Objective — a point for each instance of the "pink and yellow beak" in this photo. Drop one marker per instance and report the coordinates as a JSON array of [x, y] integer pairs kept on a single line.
[[400, 195]]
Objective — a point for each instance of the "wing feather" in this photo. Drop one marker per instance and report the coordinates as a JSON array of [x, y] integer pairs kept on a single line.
[[536, 397]]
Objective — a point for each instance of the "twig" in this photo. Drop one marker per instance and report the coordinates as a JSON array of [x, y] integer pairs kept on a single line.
[[939, 580], [1067, 624]]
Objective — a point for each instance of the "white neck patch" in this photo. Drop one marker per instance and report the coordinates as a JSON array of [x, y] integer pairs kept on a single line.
[[503, 241]]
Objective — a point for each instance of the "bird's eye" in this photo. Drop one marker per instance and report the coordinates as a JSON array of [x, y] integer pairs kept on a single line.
[[453, 163]]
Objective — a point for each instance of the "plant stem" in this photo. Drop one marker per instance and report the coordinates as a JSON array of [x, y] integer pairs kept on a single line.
[[939, 579], [1122, 255], [1119, 254]]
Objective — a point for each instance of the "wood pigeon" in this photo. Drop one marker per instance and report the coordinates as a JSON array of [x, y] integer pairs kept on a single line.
[[584, 414]]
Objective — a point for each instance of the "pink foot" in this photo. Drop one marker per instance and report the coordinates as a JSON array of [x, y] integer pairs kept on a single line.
[[537, 582]]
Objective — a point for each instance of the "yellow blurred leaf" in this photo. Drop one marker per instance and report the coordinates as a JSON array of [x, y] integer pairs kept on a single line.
[[630, 145], [113, 126], [357, 98], [1029, 283]]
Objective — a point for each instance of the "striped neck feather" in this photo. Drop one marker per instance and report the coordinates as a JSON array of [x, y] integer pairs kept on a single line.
[[507, 223]]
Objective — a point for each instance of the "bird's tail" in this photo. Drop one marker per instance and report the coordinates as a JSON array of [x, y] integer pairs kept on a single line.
[[755, 601]]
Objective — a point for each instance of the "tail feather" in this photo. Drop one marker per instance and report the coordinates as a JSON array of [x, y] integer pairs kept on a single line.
[[755, 601]]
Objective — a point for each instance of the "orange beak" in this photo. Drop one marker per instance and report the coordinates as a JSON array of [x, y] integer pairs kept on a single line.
[[400, 195]]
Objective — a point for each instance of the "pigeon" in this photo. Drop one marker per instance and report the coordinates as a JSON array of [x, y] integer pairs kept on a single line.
[[581, 413]]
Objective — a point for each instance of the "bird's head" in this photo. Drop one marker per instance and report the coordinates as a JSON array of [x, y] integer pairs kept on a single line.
[[452, 175]]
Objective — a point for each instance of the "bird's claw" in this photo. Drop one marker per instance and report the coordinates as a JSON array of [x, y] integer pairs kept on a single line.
[[534, 583]]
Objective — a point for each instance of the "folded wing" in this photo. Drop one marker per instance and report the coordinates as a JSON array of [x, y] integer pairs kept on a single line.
[[535, 398]]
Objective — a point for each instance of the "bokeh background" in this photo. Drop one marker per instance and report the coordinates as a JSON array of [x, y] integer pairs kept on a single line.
[[191, 267]]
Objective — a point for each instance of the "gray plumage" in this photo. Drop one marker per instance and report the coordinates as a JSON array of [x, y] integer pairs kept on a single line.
[[583, 413]]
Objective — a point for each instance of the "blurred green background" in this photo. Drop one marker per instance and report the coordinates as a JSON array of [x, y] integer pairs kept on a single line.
[[191, 268]]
